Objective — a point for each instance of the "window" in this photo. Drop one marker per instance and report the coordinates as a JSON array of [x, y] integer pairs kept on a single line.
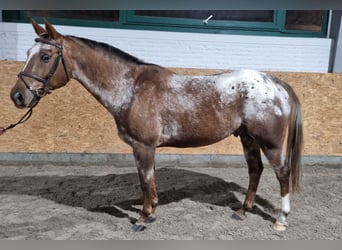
[[309, 20], [97, 15], [223, 15], [312, 23]]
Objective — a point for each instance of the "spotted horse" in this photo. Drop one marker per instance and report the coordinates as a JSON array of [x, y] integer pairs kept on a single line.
[[155, 107]]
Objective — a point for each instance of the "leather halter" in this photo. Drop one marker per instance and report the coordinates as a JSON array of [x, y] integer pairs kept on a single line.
[[45, 80]]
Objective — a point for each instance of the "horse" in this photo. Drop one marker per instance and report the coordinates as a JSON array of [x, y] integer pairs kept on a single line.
[[154, 107]]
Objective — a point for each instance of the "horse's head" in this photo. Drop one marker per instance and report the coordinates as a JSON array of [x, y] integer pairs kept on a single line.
[[44, 70]]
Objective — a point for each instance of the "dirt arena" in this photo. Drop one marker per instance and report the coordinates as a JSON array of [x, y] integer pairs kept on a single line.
[[102, 202]]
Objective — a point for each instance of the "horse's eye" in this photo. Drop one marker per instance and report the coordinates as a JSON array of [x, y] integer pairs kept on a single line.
[[45, 58]]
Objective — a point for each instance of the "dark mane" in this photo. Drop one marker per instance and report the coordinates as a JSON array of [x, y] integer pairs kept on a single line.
[[110, 49]]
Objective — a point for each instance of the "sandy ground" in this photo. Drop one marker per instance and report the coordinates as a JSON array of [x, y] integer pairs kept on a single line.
[[101, 202]]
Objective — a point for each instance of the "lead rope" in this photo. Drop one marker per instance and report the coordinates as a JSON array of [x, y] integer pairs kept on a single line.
[[23, 119]]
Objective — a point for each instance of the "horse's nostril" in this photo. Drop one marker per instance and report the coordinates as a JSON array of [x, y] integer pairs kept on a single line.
[[19, 99]]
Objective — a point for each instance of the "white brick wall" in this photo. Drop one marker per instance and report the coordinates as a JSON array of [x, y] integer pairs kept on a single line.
[[189, 50]]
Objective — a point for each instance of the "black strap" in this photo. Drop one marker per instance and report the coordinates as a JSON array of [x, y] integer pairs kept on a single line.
[[23, 119], [52, 71]]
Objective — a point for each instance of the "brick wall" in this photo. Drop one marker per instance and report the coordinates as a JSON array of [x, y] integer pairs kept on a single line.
[[189, 50]]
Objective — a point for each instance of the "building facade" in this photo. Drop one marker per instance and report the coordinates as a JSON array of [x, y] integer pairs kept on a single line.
[[262, 40]]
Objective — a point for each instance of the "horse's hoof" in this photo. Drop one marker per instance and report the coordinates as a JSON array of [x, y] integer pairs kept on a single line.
[[150, 219], [138, 227], [239, 215], [279, 227]]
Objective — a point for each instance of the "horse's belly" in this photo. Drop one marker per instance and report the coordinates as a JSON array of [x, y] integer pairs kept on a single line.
[[189, 142], [197, 135]]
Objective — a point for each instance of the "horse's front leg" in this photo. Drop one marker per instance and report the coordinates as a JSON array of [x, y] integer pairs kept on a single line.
[[144, 157]]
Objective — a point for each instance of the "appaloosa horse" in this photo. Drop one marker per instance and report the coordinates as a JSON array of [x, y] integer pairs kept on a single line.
[[154, 107]]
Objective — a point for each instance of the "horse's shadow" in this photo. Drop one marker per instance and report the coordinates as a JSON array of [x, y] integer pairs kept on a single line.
[[110, 192]]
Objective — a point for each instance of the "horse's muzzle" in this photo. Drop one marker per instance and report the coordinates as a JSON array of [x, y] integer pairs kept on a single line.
[[23, 98], [18, 99]]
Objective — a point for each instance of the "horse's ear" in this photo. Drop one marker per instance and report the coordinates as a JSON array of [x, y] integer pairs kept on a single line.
[[40, 31], [51, 31]]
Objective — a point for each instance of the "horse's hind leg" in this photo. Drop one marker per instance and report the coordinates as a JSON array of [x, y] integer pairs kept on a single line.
[[144, 157], [274, 156], [255, 167]]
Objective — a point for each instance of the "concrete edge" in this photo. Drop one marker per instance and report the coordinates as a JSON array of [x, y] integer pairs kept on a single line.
[[162, 160]]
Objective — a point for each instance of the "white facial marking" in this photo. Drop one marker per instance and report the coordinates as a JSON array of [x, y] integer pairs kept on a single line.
[[285, 204], [31, 52], [35, 50]]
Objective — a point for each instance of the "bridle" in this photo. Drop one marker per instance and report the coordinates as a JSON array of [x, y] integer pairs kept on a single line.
[[45, 80]]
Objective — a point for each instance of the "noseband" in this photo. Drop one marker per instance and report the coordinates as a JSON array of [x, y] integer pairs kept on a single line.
[[45, 80]]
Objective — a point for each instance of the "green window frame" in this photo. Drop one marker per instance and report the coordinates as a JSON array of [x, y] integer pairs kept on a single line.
[[128, 19]]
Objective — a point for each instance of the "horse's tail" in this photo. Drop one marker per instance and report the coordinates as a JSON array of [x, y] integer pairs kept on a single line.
[[294, 142]]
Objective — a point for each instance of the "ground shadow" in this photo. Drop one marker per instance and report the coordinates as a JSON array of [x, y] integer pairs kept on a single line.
[[106, 193]]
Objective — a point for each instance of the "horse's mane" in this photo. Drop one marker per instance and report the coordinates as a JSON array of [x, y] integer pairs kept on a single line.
[[110, 49]]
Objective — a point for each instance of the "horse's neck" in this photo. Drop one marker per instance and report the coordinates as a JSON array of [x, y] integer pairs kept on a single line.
[[108, 78]]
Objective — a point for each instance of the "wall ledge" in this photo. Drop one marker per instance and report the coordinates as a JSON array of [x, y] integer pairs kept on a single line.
[[162, 160]]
